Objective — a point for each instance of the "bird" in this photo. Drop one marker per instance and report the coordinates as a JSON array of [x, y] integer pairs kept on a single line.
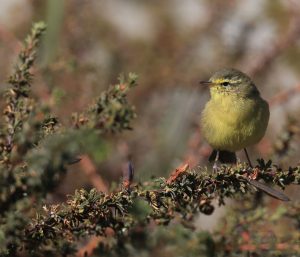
[[235, 117]]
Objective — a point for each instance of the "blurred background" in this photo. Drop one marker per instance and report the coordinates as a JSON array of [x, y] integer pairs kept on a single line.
[[171, 45]]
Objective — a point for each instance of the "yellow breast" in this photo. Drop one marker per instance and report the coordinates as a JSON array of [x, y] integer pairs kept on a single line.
[[233, 123]]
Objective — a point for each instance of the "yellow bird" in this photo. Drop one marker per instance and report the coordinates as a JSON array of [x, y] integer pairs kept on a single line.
[[235, 117]]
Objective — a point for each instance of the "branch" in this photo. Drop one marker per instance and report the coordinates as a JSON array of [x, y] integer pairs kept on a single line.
[[18, 104], [182, 195], [111, 112]]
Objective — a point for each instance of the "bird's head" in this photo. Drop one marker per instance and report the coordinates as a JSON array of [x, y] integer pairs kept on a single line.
[[231, 82]]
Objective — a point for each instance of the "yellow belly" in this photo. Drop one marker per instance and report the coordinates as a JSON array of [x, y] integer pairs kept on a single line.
[[233, 124]]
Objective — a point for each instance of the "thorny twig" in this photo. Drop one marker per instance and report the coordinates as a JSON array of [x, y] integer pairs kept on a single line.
[[17, 107], [179, 196]]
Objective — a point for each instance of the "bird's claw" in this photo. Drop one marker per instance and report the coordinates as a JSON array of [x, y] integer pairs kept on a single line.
[[215, 167]]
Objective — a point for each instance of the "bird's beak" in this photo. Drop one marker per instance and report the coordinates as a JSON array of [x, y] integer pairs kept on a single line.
[[206, 83]]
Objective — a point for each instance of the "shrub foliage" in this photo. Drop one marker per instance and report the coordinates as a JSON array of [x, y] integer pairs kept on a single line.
[[36, 150]]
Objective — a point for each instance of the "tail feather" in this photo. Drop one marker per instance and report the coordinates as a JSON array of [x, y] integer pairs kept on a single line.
[[224, 156], [270, 191]]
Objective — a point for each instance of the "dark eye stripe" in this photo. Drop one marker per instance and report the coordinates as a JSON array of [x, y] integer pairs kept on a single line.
[[225, 84]]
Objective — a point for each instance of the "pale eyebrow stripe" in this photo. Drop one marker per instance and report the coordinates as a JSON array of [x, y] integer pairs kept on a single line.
[[228, 80]]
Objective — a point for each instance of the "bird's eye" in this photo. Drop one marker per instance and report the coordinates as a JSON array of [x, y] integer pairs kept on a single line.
[[225, 84]]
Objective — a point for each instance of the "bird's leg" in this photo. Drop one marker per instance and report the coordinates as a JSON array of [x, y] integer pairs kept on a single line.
[[215, 166], [249, 162]]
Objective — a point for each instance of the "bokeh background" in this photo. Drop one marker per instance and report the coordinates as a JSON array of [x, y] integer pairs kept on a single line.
[[171, 45]]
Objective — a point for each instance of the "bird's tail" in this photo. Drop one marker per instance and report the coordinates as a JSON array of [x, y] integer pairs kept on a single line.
[[270, 191], [224, 156]]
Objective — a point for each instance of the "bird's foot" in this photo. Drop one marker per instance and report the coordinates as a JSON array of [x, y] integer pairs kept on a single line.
[[215, 167]]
